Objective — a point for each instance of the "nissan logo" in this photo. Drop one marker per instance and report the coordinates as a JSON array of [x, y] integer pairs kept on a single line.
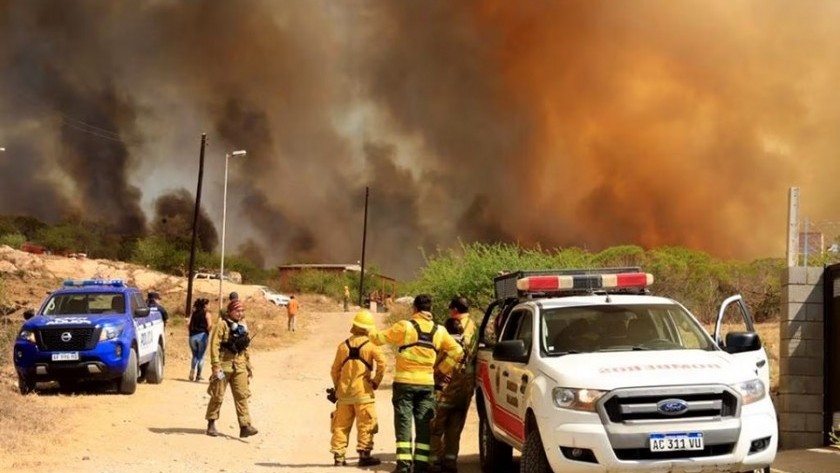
[[66, 337], [672, 407]]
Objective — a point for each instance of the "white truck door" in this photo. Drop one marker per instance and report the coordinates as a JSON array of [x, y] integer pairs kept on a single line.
[[514, 376], [519, 374], [734, 316], [487, 369]]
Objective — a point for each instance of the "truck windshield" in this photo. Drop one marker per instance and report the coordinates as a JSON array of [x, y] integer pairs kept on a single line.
[[85, 303], [589, 329]]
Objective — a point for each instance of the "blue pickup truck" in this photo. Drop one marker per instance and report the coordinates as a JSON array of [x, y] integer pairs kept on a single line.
[[91, 330]]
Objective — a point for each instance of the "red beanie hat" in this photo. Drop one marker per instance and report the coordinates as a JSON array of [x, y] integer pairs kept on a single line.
[[235, 305]]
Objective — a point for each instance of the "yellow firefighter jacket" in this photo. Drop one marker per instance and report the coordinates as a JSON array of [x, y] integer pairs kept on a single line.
[[223, 358], [418, 342], [353, 370]]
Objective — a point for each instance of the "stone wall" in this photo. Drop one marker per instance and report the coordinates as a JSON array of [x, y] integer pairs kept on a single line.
[[801, 359]]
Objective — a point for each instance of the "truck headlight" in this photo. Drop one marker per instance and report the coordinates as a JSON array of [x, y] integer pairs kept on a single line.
[[110, 332], [751, 391], [577, 399], [27, 335]]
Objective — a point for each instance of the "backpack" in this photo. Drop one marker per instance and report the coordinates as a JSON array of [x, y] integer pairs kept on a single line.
[[356, 354], [424, 339]]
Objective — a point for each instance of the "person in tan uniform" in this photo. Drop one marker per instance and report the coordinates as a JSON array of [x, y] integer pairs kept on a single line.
[[454, 392], [355, 378], [231, 364]]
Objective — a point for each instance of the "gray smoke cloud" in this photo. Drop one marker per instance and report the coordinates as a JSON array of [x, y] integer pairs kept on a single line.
[[587, 124]]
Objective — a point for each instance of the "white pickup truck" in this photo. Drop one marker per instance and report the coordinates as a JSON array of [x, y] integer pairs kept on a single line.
[[585, 371]]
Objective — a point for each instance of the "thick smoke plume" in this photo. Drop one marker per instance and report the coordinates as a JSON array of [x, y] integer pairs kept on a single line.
[[554, 123]]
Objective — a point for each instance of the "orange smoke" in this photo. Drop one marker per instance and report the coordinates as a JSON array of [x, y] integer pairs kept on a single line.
[[668, 123]]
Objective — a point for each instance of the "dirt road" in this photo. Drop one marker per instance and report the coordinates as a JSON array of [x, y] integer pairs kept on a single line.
[[161, 428]]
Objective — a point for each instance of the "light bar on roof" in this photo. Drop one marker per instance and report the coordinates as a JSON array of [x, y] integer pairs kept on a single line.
[[94, 282], [584, 281]]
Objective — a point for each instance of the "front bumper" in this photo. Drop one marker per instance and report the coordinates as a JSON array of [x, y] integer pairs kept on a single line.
[[107, 360], [727, 450]]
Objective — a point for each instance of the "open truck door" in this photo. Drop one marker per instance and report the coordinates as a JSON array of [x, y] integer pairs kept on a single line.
[[735, 333]]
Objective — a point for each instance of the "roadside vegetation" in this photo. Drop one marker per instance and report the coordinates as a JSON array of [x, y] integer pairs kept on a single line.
[[692, 277]]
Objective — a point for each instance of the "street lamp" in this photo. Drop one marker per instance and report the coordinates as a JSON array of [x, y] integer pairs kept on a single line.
[[240, 153]]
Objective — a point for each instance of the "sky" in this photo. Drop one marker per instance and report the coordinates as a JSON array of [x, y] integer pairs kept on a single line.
[[554, 123]]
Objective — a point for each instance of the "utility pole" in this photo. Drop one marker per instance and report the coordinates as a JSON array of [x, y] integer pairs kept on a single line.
[[364, 242], [793, 228], [195, 224]]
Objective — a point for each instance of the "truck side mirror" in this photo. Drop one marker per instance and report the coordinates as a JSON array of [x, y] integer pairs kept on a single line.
[[511, 350], [739, 342], [142, 312], [28, 314]]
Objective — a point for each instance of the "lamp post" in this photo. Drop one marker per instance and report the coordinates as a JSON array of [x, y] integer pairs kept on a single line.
[[235, 154]]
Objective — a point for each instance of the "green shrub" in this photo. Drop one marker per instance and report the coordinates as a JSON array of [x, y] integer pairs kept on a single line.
[[691, 277], [14, 240]]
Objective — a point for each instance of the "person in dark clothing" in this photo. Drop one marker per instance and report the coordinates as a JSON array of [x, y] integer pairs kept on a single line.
[[154, 301], [200, 325]]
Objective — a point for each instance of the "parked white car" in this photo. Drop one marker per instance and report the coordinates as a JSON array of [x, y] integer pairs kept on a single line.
[[273, 297]]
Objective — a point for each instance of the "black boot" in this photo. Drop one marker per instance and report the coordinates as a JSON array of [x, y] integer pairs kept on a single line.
[[365, 459], [338, 460], [211, 428], [247, 431]]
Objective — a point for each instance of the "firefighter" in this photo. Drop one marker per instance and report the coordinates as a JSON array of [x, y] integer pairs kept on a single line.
[[355, 378], [454, 392], [419, 340], [231, 364]]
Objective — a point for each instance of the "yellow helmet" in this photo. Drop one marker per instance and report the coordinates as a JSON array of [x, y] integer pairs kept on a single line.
[[364, 320]]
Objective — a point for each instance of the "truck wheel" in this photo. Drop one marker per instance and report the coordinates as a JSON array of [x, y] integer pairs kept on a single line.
[[494, 456], [154, 370], [533, 454], [25, 385], [128, 382]]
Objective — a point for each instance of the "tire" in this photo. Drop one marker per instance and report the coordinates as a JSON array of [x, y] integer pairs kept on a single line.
[[494, 456], [25, 385], [127, 384], [533, 454], [154, 370]]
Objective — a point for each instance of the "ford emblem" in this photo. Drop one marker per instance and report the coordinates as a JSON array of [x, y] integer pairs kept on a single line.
[[672, 407], [66, 337]]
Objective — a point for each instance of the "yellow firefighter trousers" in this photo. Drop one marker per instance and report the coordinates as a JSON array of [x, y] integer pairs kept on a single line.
[[342, 423], [238, 381]]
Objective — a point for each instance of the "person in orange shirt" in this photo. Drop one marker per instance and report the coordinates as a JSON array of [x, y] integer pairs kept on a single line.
[[292, 310]]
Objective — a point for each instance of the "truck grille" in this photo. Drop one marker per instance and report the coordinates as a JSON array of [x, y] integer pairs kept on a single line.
[[66, 339], [637, 406], [646, 454]]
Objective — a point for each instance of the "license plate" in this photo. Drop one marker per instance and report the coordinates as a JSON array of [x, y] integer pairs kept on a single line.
[[676, 442], [69, 356]]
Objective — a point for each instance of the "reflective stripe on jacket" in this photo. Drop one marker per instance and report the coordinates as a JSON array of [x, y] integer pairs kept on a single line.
[[416, 364], [352, 378]]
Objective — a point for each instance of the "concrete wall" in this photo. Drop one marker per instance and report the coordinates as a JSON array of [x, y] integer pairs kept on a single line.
[[801, 359]]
